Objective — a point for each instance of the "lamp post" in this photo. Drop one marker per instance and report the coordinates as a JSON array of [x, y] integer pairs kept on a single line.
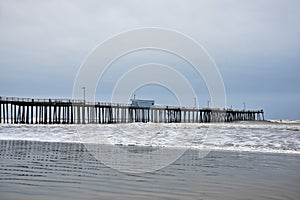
[[244, 103], [195, 102], [208, 104], [83, 94]]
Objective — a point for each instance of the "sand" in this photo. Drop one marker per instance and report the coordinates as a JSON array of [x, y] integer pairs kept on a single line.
[[45, 170]]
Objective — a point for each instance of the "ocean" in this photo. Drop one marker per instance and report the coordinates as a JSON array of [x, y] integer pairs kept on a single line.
[[240, 160]]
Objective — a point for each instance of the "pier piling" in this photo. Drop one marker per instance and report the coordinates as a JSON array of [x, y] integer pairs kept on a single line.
[[65, 111]]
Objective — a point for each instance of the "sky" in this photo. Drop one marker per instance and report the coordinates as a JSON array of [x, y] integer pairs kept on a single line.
[[254, 43]]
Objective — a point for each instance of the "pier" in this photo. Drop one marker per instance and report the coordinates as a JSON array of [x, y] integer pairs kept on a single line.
[[15, 110]]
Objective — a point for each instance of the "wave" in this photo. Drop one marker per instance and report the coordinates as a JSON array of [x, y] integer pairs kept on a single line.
[[249, 136], [283, 121]]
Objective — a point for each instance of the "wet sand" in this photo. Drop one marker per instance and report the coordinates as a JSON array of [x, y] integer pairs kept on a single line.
[[45, 170]]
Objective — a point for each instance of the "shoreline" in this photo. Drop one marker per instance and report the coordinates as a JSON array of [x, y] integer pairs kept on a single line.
[[256, 151]]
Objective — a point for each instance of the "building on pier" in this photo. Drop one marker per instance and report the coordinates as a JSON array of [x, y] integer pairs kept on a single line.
[[142, 103]]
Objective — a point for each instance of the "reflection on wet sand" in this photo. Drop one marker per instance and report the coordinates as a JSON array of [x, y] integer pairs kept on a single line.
[[48, 170]]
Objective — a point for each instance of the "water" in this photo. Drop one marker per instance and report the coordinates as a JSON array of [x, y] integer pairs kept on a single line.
[[249, 160], [272, 136]]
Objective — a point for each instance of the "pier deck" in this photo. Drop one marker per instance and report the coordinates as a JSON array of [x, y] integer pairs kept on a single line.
[[15, 110]]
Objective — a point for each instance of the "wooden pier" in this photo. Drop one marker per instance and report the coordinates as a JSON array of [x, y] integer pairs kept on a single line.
[[15, 110]]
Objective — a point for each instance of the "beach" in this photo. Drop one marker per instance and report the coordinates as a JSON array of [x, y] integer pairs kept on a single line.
[[58, 170]]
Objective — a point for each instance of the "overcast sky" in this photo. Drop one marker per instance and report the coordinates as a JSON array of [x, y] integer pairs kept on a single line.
[[254, 43]]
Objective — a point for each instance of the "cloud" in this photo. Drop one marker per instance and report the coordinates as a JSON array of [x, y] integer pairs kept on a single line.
[[255, 43]]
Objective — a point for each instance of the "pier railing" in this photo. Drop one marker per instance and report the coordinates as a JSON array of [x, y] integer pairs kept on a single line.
[[16, 110]]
